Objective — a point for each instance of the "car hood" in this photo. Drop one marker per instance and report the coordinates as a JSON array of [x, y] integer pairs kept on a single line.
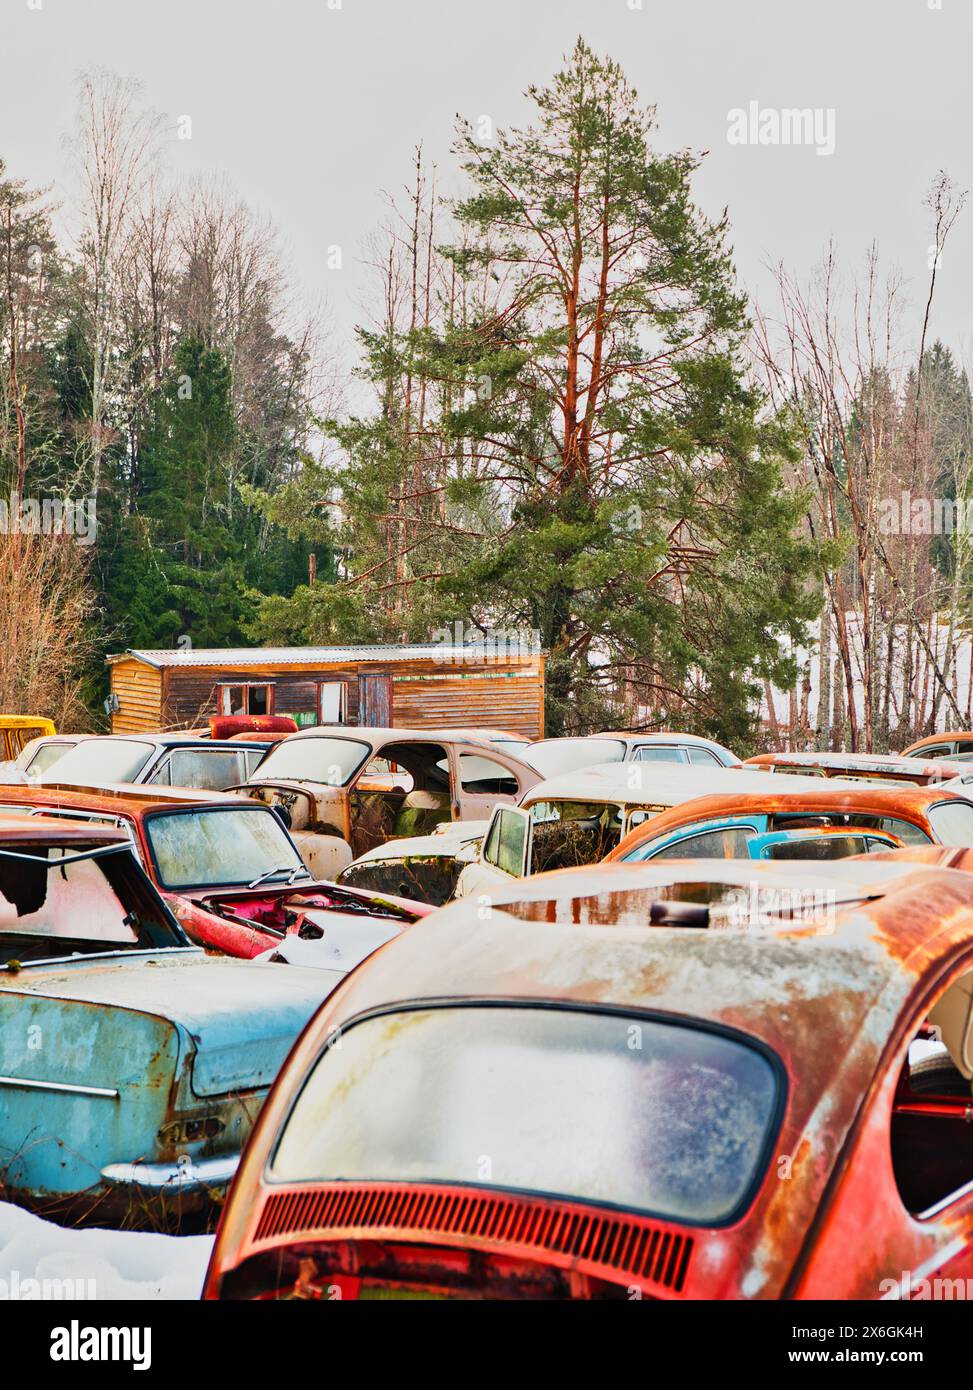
[[241, 1016]]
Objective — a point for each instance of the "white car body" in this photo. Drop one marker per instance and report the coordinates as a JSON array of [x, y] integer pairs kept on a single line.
[[630, 792]]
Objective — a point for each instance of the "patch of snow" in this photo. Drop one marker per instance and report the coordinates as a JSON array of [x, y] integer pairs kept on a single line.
[[100, 1264]]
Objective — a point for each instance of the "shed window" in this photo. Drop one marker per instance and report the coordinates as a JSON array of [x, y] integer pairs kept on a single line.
[[332, 702], [247, 698]]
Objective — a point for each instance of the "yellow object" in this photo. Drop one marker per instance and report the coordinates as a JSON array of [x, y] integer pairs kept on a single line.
[[17, 730]]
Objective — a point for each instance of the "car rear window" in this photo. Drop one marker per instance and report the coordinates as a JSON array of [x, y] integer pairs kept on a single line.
[[653, 1116], [952, 823]]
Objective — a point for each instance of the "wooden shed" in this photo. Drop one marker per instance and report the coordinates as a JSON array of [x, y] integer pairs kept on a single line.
[[431, 686]]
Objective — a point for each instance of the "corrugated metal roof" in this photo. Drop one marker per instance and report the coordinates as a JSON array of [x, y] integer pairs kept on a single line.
[[231, 657]]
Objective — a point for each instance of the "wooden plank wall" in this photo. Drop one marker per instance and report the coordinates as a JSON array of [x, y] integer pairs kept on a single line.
[[139, 691], [498, 699]]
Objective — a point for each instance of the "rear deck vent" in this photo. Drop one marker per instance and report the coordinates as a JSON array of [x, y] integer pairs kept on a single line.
[[566, 1234]]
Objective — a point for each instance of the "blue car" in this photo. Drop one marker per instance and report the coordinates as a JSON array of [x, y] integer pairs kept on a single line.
[[747, 837], [132, 1063]]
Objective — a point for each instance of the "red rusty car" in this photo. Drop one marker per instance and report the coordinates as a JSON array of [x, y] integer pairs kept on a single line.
[[691, 1081], [229, 870]]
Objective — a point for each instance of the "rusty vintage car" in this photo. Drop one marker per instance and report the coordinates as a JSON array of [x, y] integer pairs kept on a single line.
[[955, 745], [912, 815], [228, 869], [759, 1077], [341, 791], [862, 767], [132, 1063]]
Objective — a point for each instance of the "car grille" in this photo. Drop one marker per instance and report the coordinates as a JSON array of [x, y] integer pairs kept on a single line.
[[599, 1243]]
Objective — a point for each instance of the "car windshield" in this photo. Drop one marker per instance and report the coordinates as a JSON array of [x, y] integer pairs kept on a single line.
[[677, 1125], [550, 757], [952, 823], [567, 833], [333, 761], [96, 761], [232, 845], [36, 759], [426, 878]]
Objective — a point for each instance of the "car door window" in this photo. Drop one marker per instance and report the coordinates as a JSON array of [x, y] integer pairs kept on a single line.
[[661, 753], [728, 843], [931, 1137], [483, 777], [702, 757], [506, 842], [210, 769]]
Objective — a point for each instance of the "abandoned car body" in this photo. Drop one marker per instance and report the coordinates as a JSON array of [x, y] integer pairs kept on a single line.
[[228, 869], [912, 815], [553, 757], [342, 792], [132, 1064], [469, 1037], [423, 868], [158, 760], [580, 817]]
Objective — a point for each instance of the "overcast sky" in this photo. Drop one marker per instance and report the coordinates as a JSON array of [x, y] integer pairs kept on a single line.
[[312, 111]]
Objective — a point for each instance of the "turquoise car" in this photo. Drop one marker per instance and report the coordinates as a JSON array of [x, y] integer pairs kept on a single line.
[[132, 1063], [746, 837]]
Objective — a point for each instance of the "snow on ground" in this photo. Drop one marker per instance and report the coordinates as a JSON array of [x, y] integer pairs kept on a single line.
[[99, 1264]]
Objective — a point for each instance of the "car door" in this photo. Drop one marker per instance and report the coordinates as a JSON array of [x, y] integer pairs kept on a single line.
[[481, 778], [899, 1224], [503, 856]]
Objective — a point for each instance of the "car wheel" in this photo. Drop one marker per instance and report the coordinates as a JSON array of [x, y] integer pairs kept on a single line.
[[938, 1075]]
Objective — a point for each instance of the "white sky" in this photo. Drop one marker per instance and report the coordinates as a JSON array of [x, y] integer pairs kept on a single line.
[[312, 112]]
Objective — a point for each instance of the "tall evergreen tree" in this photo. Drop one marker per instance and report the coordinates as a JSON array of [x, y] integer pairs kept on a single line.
[[598, 466]]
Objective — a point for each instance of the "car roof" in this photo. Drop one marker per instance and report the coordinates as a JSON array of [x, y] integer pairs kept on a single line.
[[663, 783], [581, 937], [189, 738], [825, 795], [959, 735], [50, 830], [116, 799], [864, 762]]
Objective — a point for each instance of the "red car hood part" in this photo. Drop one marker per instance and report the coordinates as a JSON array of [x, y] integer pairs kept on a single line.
[[246, 923]]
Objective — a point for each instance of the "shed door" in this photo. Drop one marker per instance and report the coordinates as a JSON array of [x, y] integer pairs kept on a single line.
[[375, 699]]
